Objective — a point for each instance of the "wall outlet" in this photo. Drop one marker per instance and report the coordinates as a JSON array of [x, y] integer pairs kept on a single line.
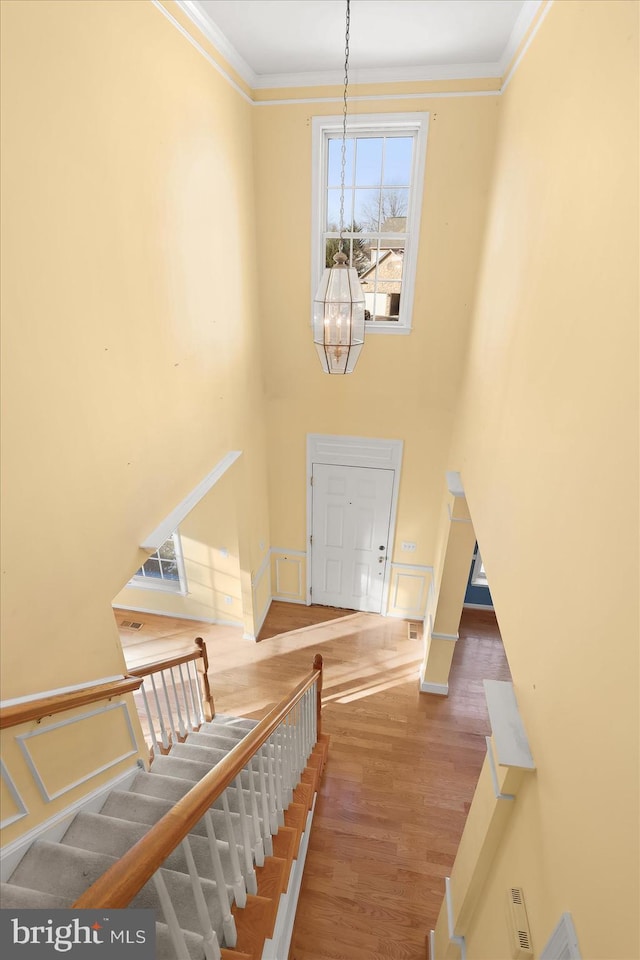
[[224, 552], [408, 546], [228, 599]]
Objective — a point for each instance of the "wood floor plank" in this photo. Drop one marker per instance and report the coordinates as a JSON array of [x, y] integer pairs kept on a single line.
[[400, 773]]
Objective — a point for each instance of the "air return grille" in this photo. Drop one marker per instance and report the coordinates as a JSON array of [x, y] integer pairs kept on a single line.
[[519, 934], [132, 624]]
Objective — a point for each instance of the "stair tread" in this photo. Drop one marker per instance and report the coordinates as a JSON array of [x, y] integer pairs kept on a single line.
[[234, 955], [15, 897], [253, 924]]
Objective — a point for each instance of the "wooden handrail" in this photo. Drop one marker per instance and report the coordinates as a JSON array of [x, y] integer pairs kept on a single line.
[[119, 885], [46, 706], [157, 665]]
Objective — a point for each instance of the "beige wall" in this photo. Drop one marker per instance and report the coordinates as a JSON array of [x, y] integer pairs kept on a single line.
[[130, 323], [404, 387], [547, 447]]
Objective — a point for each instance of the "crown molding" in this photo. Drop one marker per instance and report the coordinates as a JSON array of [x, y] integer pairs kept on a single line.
[[215, 36], [412, 74], [520, 28], [416, 74]]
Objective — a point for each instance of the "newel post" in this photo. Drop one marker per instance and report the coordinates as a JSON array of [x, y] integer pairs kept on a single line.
[[317, 665], [205, 690]]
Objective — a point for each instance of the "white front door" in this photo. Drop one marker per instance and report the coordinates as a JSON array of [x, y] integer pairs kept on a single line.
[[351, 511]]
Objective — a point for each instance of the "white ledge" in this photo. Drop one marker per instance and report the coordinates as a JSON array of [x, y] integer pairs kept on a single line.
[[454, 483], [512, 745], [171, 523]]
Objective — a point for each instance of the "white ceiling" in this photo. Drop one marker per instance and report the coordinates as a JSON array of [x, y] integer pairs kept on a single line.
[[293, 42]]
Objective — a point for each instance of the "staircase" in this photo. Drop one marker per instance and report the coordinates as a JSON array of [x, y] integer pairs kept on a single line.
[[228, 887]]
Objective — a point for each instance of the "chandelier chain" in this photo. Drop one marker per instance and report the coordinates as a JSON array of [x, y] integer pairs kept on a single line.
[[344, 125]]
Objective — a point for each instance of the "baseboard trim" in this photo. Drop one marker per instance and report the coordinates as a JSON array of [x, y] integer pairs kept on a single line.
[[302, 603], [479, 606], [442, 689], [179, 616], [278, 946], [55, 827]]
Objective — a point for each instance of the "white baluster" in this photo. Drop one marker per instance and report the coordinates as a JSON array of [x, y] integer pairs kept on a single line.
[[191, 724], [264, 799], [258, 845], [172, 726], [279, 765], [210, 938], [297, 742], [250, 876], [163, 732], [195, 690], [239, 887], [181, 726], [314, 716], [290, 758], [175, 930], [271, 763], [228, 921], [152, 731]]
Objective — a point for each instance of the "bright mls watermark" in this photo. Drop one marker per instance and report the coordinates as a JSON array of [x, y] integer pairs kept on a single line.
[[78, 934]]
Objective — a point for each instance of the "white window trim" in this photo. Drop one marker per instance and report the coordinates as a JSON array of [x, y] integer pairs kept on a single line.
[[385, 123], [478, 575], [166, 586]]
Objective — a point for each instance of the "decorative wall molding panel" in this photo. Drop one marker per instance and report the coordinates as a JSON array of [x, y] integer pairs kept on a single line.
[[108, 732], [10, 799], [288, 570], [409, 590]]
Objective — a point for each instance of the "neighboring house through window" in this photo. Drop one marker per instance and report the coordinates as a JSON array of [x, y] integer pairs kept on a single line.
[[384, 174], [164, 569]]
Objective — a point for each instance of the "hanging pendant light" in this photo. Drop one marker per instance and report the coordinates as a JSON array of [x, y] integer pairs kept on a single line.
[[338, 306]]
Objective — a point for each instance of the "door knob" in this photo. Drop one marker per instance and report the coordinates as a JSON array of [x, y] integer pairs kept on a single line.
[[381, 548]]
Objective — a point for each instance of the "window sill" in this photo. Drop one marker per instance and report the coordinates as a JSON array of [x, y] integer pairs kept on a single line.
[[162, 586], [393, 328]]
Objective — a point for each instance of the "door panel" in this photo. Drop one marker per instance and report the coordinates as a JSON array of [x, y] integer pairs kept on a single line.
[[351, 510]]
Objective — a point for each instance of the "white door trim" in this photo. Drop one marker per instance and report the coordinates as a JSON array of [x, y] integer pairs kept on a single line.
[[355, 452]]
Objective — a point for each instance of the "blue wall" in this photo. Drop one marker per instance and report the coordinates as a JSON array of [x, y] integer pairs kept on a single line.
[[479, 595]]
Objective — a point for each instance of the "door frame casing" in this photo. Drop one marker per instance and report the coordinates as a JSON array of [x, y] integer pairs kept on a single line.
[[344, 451]]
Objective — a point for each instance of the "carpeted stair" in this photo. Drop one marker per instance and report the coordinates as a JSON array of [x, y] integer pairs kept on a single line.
[[54, 875]]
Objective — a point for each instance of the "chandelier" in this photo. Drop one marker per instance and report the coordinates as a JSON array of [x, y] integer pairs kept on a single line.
[[338, 306]]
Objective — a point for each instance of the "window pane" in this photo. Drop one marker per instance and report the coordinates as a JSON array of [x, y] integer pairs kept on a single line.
[[397, 161], [333, 209], [366, 213], [394, 205], [170, 570], [335, 161], [167, 551], [369, 161], [152, 567]]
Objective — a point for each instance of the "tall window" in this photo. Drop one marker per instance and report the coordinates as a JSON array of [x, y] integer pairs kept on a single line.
[[164, 569], [384, 172]]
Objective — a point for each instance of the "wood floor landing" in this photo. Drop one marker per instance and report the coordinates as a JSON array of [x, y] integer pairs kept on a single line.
[[400, 776]]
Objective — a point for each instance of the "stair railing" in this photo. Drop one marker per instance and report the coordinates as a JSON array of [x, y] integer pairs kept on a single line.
[[39, 707], [254, 781], [176, 696]]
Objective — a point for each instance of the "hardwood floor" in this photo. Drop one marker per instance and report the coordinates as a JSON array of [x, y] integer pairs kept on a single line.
[[400, 776], [283, 617]]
